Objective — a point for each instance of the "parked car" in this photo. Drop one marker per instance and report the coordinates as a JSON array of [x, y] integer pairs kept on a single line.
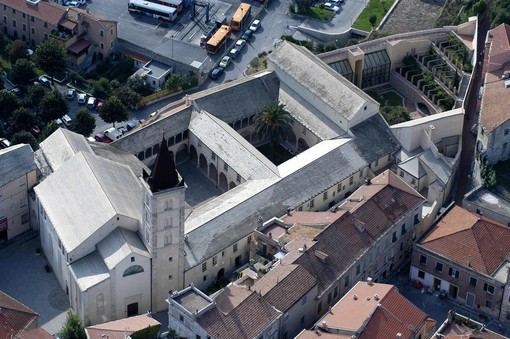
[[216, 73], [72, 4], [112, 133], [247, 35], [234, 52], [122, 129], [130, 125], [70, 93], [225, 61], [240, 44], [4, 143], [91, 103], [255, 26], [44, 80], [330, 7], [82, 98], [66, 119], [99, 104], [59, 122], [100, 137]]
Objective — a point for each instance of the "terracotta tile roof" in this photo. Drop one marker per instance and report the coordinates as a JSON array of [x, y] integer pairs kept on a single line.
[[118, 329], [46, 11], [138, 57], [285, 285], [247, 320], [500, 38], [307, 334], [343, 241], [36, 333], [231, 297], [373, 311], [14, 316], [395, 315], [79, 46], [462, 236], [494, 112], [311, 218]]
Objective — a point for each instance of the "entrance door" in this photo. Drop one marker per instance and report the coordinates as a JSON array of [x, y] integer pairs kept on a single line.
[[132, 309], [452, 293], [437, 284], [470, 299]]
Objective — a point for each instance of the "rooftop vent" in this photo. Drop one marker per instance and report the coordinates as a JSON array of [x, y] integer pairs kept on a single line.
[[368, 182], [32, 2], [303, 249], [399, 335], [324, 324], [369, 281], [368, 298], [355, 297], [321, 255], [376, 296]]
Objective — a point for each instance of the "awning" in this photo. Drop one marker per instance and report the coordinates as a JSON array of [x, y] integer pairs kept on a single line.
[[79, 46]]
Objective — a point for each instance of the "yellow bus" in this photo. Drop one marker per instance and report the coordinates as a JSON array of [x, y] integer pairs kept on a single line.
[[218, 39], [240, 16]]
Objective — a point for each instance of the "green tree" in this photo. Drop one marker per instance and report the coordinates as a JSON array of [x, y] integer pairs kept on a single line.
[[48, 130], [18, 51], [395, 114], [173, 82], [101, 88], [8, 103], [274, 123], [51, 57], [302, 5], [24, 137], [4, 41], [372, 19], [479, 7], [23, 72], [35, 95], [83, 123], [53, 106], [136, 83], [72, 328], [127, 96], [113, 110], [22, 119]]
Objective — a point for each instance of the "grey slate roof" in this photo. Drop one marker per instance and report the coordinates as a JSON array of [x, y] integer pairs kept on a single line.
[[85, 193], [15, 161], [373, 138], [240, 98], [320, 79], [240, 217], [414, 167], [61, 145], [191, 300], [230, 147], [115, 154], [309, 116], [118, 245], [438, 166], [89, 271], [142, 138]]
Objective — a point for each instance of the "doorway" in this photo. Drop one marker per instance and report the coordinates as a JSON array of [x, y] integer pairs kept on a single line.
[[132, 309], [437, 284], [470, 299], [452, 293]]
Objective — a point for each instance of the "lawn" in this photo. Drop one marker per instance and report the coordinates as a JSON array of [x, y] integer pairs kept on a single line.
[[392, 99], [379, 8], [318, 13], [5, 63], [280, 154]]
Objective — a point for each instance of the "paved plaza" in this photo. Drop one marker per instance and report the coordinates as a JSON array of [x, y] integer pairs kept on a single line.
[[23, 277]]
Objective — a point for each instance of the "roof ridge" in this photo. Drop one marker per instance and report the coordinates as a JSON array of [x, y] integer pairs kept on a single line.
[[85, 157]]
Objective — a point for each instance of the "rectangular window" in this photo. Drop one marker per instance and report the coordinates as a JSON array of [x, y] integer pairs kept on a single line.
[[330, 297], [312, 203], [506, 131], [225, 167], [439, 266], [214, 261], [351, 180], [376, 162], [248, 239], [5, 19], [111, 31], [472, 281], [181, 318], [204, 267], [101, 45], [394, 238], [111, 44], [303, 300], [416, 219], [488, 288], [325, 195], [401, 174], [339, 187], [319, 307], [488, 304], [33, 30], [235, 248], [45, 24], [238, 178], [13, 11], [170, 259], [403, 230], [335, 292], [13, 23], [170, 277], [358, 269], [213, 156], [24, 15], [204, 278], [421, 274], [24, 27], [454, 273], [32, 18], [346, 281], [24, 218], [423, 259], [101, 32]]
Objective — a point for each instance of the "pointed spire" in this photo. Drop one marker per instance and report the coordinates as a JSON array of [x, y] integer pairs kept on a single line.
[[163, 175]]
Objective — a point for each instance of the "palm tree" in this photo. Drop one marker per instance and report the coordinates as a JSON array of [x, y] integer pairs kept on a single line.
[[273, 124]]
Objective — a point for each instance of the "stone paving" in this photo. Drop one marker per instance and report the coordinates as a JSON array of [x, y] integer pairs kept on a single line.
[[413, 15], [23, 277]]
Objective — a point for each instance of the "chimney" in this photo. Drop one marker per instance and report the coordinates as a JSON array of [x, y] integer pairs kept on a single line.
[[430, 132], [469, 260], [354, 297], [369, 281], [368, 182], [376, 296], [304, 248], [288, 211], [399, 335]]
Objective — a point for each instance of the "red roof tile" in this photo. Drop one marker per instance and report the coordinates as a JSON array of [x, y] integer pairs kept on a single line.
[[118, 329], [252, 316], [500, 38], [14, 316], [464, 237], [36, 333], [46, 11]]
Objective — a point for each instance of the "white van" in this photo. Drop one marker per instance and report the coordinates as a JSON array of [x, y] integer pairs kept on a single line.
[[112, 133]]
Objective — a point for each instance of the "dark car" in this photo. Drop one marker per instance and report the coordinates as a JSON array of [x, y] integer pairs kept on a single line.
[[44, 81], [247, 34], [215, 74]]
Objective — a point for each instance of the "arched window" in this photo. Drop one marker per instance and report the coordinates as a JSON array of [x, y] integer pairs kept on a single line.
[[132, 270]]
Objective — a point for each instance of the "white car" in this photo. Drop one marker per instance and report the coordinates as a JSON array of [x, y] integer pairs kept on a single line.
[[91, 103], [72, 4], [82, 98], [255, 25], [66, 119], [330, 7]]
